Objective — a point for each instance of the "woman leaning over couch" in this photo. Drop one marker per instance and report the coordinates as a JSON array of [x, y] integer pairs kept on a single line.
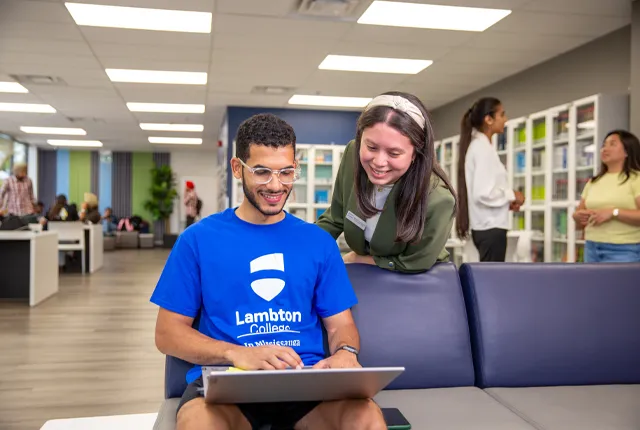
[[610, 207]]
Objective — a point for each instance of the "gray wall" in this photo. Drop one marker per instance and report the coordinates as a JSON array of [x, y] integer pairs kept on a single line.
[[635, 69], [601, 66]]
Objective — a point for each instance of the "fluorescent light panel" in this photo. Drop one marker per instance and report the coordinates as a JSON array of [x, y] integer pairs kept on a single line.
[[12, 87], [140, 18], [300, 99], [374, 64], [165, 107], [437, 17], [75, 143], [54, 130], [157, 77], [26, 107], [176, 140], [172, 127]]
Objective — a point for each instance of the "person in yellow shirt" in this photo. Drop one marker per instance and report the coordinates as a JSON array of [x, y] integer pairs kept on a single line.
[[609, 210]]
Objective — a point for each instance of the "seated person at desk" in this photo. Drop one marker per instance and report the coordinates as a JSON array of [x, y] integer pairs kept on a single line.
[[237, 266], [89, 210], [62, 211]]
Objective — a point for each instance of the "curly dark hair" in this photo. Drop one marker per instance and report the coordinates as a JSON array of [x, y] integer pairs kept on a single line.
[[263, 129]]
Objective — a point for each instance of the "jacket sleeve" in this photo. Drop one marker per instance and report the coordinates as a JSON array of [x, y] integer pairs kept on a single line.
[[332, 220], [421, 256], [485, 189]]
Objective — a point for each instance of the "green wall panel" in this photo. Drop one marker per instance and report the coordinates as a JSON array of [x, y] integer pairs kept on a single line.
[[141, 165], [79, 176]]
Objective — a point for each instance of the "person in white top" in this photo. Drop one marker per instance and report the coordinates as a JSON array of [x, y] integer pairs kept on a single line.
[[483, 188]]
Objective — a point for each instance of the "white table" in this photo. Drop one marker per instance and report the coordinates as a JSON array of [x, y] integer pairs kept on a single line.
[[94, 248], [115, 422], [30, 265]]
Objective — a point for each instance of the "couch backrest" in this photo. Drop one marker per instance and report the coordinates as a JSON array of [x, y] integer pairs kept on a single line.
[[175, 374], [553, 324], [417, 321]]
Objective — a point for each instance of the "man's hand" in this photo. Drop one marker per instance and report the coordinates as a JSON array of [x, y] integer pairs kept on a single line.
[[600, 216], [269, 357], [514, 206], [340, 360], [519, 198]]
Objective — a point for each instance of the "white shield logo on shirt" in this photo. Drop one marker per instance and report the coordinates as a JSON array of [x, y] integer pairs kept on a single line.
[[268, 288]]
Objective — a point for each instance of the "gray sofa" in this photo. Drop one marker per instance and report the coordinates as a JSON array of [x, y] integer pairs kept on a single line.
[[496, 346]]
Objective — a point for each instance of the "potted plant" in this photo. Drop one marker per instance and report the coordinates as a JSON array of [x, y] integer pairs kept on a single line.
[[163, 193]]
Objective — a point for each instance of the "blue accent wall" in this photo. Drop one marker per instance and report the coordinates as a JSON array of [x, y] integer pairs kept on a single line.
[[105, 183], [62, 172], [311, 126]]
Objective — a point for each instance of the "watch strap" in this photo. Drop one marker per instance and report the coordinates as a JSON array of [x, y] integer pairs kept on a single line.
[[348, 348]]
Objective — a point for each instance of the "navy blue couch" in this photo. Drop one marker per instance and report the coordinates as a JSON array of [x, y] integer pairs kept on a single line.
[[497, 346]]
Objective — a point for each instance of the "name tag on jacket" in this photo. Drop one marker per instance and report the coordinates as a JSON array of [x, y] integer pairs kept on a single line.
[[357, 221]]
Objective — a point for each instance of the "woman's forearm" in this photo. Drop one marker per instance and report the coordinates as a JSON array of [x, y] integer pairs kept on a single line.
[[630, 216]]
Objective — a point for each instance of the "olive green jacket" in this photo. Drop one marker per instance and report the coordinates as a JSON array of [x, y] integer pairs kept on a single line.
[[386, 252]]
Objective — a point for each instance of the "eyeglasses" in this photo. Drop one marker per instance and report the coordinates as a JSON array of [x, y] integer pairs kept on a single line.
[[264, 175]]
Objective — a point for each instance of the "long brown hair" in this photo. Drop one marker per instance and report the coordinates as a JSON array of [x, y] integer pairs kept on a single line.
[[415, 185], [631, 146], [473, 118]]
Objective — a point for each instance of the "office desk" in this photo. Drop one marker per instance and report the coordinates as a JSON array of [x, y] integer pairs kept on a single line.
[[29, 265], [94, 247]]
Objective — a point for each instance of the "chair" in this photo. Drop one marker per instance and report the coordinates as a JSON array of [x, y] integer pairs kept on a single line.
[[70, 237]]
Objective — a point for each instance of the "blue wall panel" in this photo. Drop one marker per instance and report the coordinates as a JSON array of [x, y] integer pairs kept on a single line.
[[62, 173]]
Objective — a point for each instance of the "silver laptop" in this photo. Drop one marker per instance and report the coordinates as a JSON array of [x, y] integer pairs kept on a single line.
[[293, 385]]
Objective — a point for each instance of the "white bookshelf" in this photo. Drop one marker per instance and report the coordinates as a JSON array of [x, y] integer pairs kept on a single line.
[[311, 194], [550, 155]]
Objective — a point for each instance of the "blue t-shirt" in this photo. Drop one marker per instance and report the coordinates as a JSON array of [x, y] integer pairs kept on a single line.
[[256, 285]]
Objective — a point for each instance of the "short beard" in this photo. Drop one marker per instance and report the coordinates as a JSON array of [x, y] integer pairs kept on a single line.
[[251, 197]]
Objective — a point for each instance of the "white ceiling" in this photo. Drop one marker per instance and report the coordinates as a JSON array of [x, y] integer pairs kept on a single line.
[[258, 43]]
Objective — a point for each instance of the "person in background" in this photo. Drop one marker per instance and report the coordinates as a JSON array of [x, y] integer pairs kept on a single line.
[[391, 198], [190, 202], [89, 210], [609, 209], [483, 186], [109, 222], [16, 194], [62, 211]]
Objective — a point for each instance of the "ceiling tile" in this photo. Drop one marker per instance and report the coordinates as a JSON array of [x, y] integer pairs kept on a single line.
[[620, 8], [44, 46], [142, 37], [278, 8], [525, 23], [35, 11], [152, 93], [38, 30], [532, 42], [271, 42], [408, 36], [167, 64], [297, 29], [172, 53], [336, 83], [389, 50]]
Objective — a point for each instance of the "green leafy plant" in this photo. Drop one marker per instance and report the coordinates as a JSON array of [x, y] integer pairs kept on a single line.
[[163, 194]]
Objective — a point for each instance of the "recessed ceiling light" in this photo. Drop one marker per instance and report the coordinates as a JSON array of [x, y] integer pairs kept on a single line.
[[374, 64], [176, 140], [54, 130], [12, 87], [165, 107], [157, 77], [75, 143], [172, 127], [431, 16], [140, 18], [26, 107], [299, 99]]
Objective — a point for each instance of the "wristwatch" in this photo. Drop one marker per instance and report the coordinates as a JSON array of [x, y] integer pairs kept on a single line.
[[616, 211], [351, 349]]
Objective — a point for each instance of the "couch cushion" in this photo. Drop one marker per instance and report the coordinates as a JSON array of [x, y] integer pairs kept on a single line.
[[451, 409], [417, 321], [553, 324], [610, 407]]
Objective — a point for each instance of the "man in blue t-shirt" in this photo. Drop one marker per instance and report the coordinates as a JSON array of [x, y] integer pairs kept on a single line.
[[263, 282]]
